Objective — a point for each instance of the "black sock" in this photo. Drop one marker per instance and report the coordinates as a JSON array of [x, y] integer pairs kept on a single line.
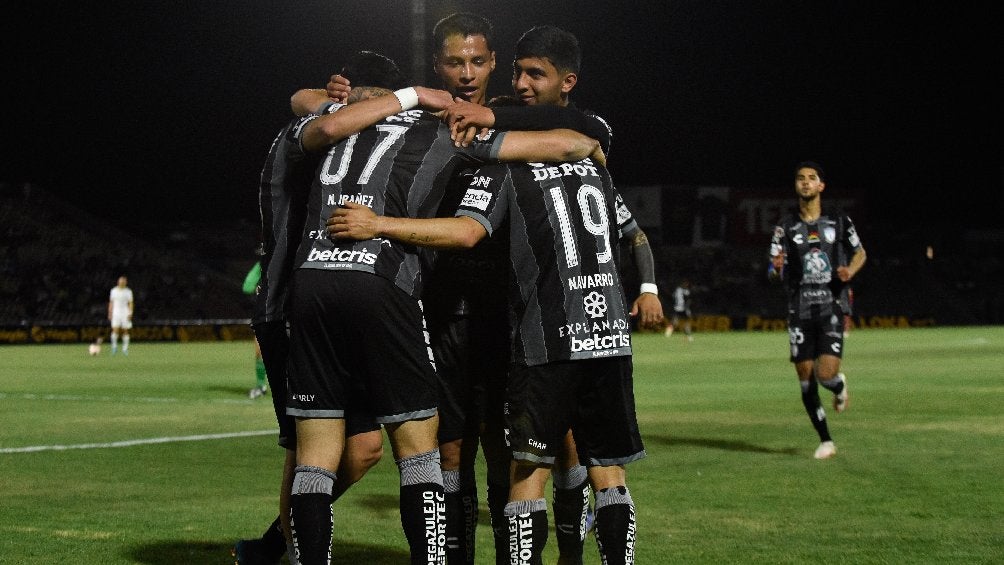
[[527, 531], [571, 499], [455, 517], [497, 497], [469, 500], [273, 543], [814, 408], [310, 514], [616, 528], [423, 507]]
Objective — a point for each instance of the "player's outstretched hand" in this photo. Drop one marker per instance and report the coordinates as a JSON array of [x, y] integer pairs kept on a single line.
[[353, 221], [463, 114], [338, 88], [432, 99]]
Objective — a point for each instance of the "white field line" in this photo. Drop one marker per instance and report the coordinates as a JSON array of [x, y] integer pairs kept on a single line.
[[86, 398], [132, 442]]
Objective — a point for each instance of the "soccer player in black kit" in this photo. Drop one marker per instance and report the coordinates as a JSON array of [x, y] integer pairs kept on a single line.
[[571, 346], [358, 338], [815, 256], [545, 72], [466, 317], [283, 189]]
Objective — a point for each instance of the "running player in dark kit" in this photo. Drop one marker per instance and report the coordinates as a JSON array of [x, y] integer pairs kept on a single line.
[[815, 255]]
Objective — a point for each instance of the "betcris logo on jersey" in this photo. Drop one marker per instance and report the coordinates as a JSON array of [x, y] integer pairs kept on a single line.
[[339, 255], [597, 345]]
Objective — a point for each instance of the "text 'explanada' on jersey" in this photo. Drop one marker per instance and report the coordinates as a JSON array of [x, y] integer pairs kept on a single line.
[[398, 167], [813, 252], [566, 298]]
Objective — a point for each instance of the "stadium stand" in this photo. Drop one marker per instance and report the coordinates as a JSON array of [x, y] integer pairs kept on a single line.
[[58, 263]]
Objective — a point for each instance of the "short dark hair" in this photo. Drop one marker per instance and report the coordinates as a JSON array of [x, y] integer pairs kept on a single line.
[[811, 165], [368, 68], [463, 24], [504, 100], [554, 43]]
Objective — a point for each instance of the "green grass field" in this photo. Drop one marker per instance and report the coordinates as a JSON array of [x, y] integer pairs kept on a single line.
[[729, 478]]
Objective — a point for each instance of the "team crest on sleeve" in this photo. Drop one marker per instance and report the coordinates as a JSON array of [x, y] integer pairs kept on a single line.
[[334, 107], [298, 128], [852, 236], [476, 198], [623, 214]]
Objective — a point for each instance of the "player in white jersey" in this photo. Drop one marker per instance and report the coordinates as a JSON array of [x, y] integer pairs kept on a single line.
[[681, 310], [120, 309]]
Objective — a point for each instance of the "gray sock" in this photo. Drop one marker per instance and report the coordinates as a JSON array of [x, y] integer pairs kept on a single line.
[[519, 507], [309, 480], [421, 469]]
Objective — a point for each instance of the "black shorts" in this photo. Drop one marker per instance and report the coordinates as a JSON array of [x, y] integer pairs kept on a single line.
[[472, 358], [273, 340], [818, 336], [357, 342], [274, 344], [593, 397]]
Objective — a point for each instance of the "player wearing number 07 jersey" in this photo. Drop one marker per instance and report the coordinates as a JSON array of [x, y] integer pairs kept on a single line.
[[356, 340], [357, 337]]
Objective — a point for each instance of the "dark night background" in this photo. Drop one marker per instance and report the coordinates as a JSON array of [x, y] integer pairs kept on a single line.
[[162, 112]]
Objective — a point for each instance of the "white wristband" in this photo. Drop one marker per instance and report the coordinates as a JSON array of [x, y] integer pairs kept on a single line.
[[408, 97], [651, 288]]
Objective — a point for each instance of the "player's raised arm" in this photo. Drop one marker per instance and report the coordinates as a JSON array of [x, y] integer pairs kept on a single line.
[[309, 101], [374, 105], [358, 222], [464, 117], [547, 146]]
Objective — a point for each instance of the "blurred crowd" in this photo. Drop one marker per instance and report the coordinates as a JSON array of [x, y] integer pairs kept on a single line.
[[58, 264]]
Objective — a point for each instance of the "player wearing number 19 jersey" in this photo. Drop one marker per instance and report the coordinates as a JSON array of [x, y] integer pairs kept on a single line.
[[571, 346]]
